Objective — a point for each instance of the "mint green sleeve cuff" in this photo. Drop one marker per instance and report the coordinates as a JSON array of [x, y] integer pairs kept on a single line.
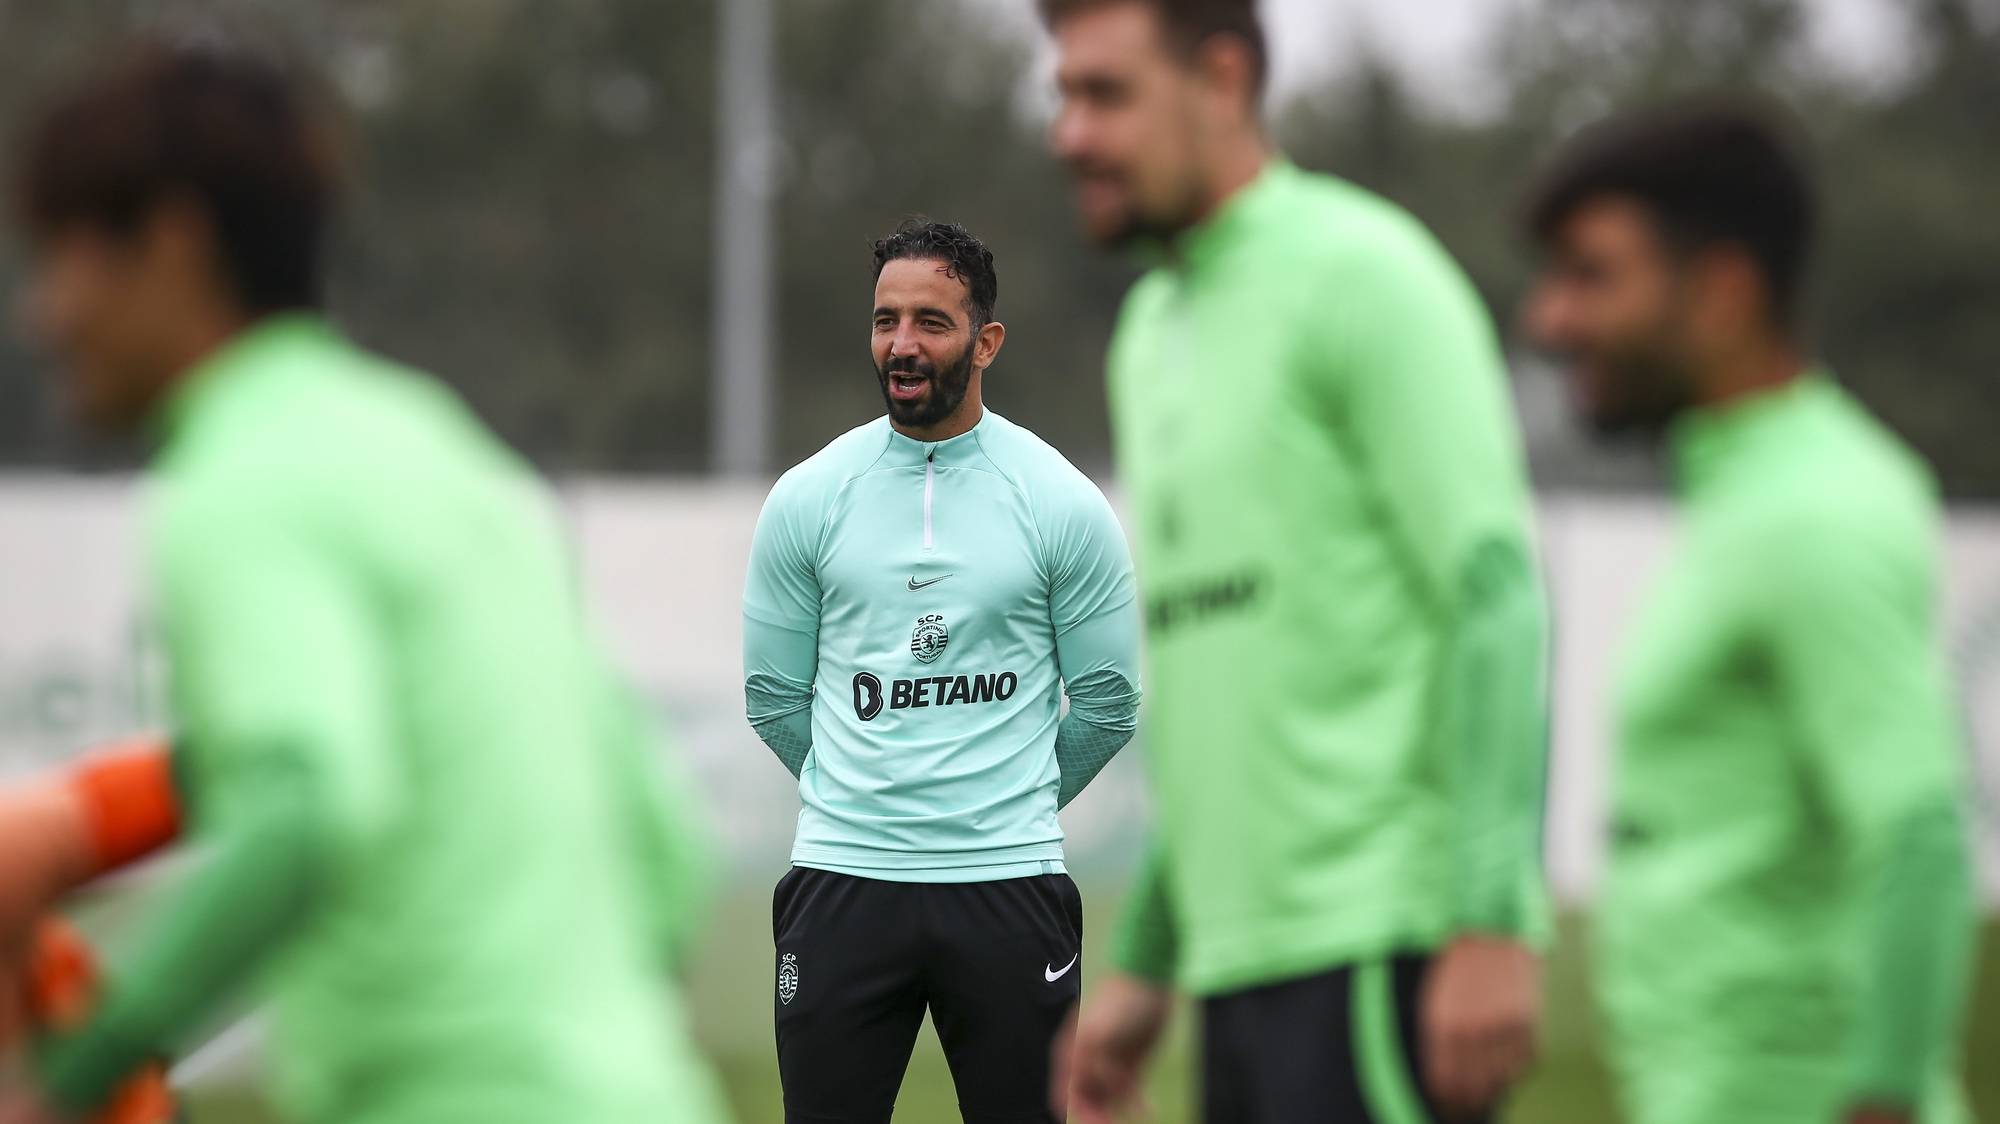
[[1496, 737], [778, 668], [1146, 942], [260, 873], [1088, 738], [789, 737], [1099, 660], [1917, 960]]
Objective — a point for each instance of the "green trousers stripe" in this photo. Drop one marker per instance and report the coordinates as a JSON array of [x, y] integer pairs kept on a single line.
[[1386, 1080]]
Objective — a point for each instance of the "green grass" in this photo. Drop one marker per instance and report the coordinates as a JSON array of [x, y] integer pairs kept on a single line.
[[730, 993]]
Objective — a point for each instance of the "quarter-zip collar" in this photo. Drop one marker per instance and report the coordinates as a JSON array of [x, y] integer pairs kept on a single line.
[[953, 452]]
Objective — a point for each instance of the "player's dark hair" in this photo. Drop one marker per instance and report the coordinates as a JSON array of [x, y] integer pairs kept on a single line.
[[966, 258], [1189, 25], [233, 134], [1710, 173]]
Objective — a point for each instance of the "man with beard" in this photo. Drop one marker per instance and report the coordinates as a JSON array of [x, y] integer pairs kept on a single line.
[[1345, 623], [922, 594], [1785, 930]]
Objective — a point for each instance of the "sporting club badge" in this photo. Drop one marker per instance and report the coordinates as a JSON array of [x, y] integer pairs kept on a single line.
[[928, 641], [788, 978]]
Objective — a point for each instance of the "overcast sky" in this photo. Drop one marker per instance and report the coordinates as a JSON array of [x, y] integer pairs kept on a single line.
[[1438, 43]]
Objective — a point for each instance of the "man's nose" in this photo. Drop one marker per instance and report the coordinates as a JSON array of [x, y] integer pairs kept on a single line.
[[904, 342], [1069, 133], [1545, 315]]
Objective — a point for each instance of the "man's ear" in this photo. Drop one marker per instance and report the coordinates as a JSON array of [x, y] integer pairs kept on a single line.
[[1730, 296], [986, 346], [178, 235], [1225, 67]]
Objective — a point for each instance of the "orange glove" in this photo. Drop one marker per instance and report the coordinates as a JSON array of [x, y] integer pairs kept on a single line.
[[130, 807], [61, 988]]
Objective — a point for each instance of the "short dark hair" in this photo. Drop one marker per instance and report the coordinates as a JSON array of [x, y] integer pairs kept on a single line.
[[232, 132], [1189, 24], [1711, 172], [965, 257]]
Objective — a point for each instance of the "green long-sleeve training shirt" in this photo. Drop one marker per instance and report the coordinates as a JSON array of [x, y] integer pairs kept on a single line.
[[423, 827], [1785, 929], [1345, 626]]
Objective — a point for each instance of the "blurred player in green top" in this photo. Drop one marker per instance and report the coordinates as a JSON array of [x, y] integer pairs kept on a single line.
[[1785, 930], [424, 827], [1345, 628]]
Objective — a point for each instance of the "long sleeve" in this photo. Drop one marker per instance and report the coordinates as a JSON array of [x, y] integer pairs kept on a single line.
[[781, 600], [1852, 639], [1094, 607], [668, 835], [1496, 732], [1420, 386], [778, 667], [257, 882], [1146, 942], [286, 741]]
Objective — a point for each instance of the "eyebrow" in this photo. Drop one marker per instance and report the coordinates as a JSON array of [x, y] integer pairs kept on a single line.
[[885, 310]]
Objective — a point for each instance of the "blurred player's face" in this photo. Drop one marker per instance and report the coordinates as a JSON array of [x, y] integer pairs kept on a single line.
[[1136, 124], [927, 355], [1613, 302], [113, 311]]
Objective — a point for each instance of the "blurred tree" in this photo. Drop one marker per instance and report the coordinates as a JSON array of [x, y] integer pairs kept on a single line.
[[534, 217], [903, 107], [1904, 303]]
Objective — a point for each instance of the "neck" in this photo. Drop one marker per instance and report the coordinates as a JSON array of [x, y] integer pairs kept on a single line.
[[1236, 167], [1750, 371], [200, 336]]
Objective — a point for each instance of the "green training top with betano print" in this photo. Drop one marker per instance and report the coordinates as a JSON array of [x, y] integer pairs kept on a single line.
[[1345, 641], [425, 822], [1786, 922]]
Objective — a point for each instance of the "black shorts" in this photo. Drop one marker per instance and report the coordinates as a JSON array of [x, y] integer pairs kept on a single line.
[[1341, 1047], [859, 960]]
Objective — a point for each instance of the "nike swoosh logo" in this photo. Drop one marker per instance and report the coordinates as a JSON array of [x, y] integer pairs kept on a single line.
[[1051, 975], [916, 585]]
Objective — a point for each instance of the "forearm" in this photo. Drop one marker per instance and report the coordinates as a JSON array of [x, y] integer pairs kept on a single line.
[[1103, 713], [260, 874], [1098, 657], [778, 669], [1146, 942], [668, 834], [789, 736], [1496, 729], [1917, 958]]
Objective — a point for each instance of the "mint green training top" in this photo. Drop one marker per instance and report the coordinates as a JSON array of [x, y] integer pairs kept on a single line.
[[425, 823], [913, 614], [1346, 657], [1786, 924]]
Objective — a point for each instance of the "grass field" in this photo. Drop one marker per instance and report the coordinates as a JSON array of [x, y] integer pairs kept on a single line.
[[730, 991]]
